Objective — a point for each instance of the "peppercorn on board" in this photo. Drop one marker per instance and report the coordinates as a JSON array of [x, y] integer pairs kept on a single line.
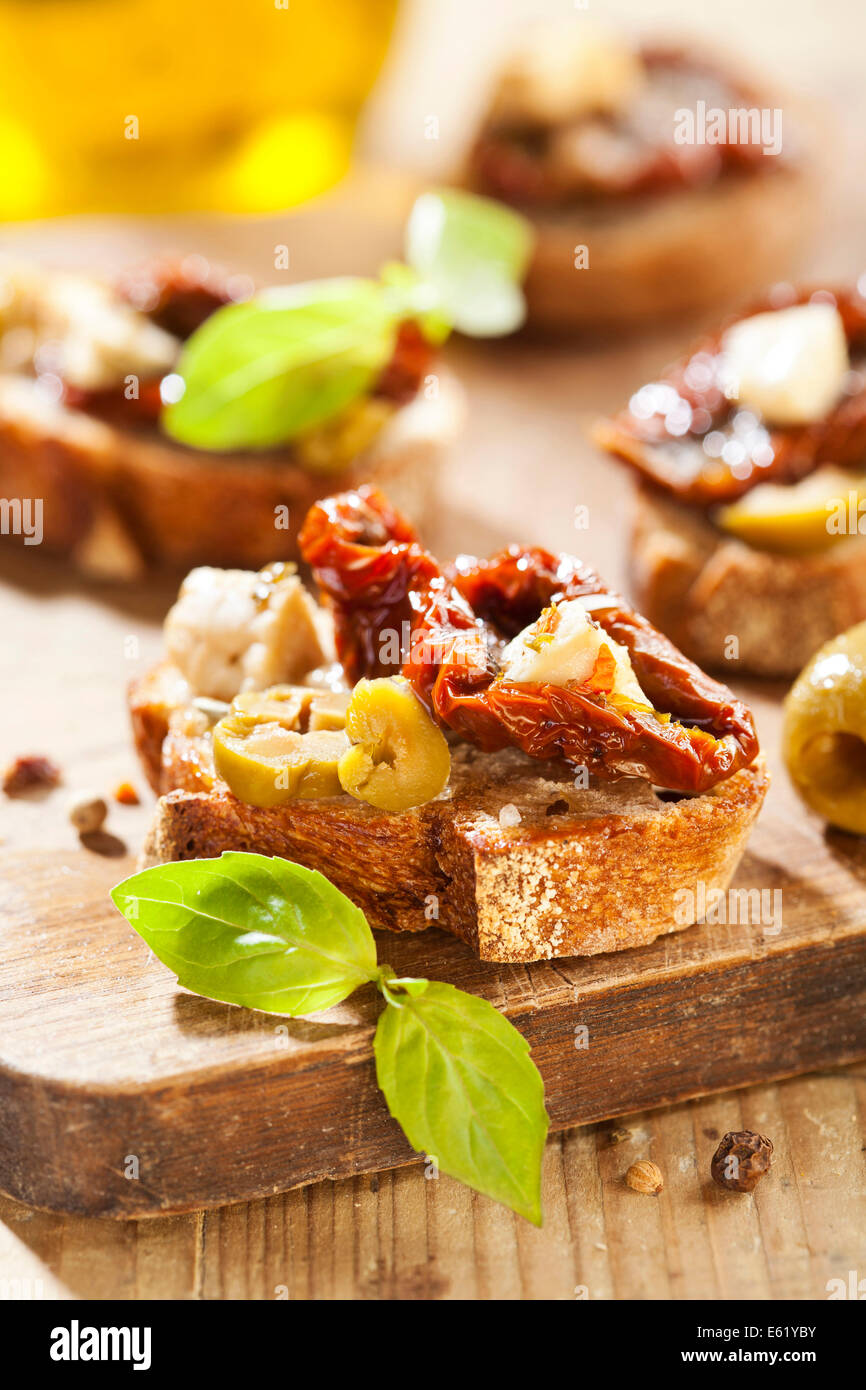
[[122, 1095]]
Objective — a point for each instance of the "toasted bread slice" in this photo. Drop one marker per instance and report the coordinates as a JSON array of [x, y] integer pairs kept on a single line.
[[583, 869], [728, 605], [118, 502], [668, 257]]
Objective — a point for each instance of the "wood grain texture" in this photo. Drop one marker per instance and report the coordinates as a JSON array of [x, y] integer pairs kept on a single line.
[[396, 1236]]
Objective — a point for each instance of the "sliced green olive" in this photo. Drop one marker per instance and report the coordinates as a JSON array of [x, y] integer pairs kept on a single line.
[[824, 731], [266, 764], [332, 446], [796, 518], [399, 757], [294, 706], [328, 709], [280, 704]]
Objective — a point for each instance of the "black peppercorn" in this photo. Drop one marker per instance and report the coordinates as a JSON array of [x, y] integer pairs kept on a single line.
[[741, 1160]]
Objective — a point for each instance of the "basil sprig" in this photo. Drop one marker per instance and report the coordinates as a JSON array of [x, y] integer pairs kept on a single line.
[[258, 374], [272, 935]]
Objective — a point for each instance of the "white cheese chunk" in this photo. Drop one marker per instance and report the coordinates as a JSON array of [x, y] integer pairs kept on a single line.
[[790, 365], [560, 74], [569, 653], [233, 630], [77, 328]]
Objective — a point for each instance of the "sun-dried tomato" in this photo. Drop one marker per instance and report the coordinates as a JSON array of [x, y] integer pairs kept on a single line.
[[539, 163], [30, 772], [379, 581], [178, 295], [401, 379], [115, 407], [667, 445], [368, 563]]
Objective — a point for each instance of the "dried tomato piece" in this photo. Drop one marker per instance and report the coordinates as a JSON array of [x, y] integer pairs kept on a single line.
[[663, 431], [378, 580], [126, 795], [368, 563], [512, 588], [112, 404], [178, 295], [30, 772], [401, 379], [631, 153]]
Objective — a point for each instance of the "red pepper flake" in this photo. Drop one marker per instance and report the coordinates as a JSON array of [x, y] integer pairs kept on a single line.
[[603, 675], [126, 794], [30, 771]]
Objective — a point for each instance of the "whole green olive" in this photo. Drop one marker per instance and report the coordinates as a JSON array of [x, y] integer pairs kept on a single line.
[[824, 731]]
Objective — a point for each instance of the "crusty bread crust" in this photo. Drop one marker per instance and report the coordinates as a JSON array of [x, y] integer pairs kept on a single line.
[[118, 503], [585, 870], [728, 605], [669, 257], [153, 699]]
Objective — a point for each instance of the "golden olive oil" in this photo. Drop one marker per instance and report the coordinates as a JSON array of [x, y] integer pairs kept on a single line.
[[153, 105]]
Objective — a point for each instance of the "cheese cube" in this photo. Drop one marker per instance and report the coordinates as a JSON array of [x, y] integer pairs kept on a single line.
[[789, 365], [568, 653], [233, 630], [560, 74]]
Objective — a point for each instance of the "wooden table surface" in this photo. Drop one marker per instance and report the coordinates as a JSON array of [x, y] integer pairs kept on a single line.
[[66, 653]]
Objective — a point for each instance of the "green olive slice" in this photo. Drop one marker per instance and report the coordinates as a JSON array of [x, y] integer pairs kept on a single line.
[[797, 518], [328, 709], [399, 758], [279, 704], [266, 764]]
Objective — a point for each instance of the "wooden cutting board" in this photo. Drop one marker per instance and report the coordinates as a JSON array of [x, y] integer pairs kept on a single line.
[[121, 1094]]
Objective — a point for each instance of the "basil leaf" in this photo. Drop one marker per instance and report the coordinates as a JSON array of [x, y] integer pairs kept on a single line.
[[246, 929], [259, 373], [459, 1080], [415, 298], [475, 252]]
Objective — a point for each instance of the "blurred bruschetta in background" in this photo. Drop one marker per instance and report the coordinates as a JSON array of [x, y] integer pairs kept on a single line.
[[83, 373], [660, 182]]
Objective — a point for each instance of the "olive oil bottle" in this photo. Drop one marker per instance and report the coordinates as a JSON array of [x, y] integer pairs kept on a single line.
[[155, 105]]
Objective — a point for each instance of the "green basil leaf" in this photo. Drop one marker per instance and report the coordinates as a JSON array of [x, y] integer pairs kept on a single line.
[[459, 1080], [475, 252], [246, 929], [413, 297], [259, 373]]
